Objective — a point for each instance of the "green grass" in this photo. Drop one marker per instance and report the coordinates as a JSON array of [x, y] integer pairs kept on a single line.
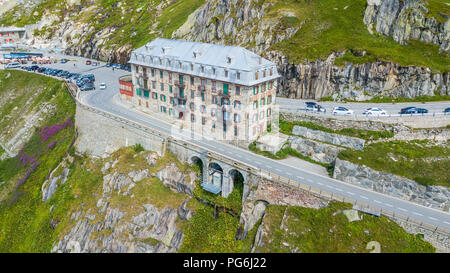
[[408, 159], [204, 234], [308, 231], [326, 30], [287, 126], [288, 151], [25, 223]]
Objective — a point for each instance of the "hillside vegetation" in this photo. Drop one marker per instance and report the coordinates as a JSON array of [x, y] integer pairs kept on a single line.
[[325, 26]]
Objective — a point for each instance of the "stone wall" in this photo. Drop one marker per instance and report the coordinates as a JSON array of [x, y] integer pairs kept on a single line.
[[111, 135], [335, 139], [316, 150], [393, 185]]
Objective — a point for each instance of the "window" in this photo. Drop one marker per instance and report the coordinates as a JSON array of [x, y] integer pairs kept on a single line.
[[269, 99], [238, 75], [192, 118], [271, 72], [256, 75], [255, 104], [162, 86], [237, 118], [203, 120], [261, 102], [238, 90], [237, 105], [192, 80], [203, 69], [179, 64], [214, 71], [153, 84], [263, 88], [170, 88], [255, 90], [192, 67], [146, 94], [138, 92], [203, 96], [203, 109], [162, 97], [235, 131], [192, 94], [161, 74], [226, 73], [225, 88], [154, 95], [264, 73], [192, 106], [269, 112]]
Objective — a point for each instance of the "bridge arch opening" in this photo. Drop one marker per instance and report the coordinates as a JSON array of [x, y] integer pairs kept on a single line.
[[237, 180], [214, 178], [198, 163]]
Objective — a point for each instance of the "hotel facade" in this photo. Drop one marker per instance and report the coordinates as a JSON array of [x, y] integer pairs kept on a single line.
[[222, 92]]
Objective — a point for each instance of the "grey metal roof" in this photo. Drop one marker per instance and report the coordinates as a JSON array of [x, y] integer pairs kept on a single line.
[[209, 56]]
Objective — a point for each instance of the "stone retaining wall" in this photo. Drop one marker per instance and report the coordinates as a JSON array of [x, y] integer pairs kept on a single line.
[[335, 139], [393, 185]]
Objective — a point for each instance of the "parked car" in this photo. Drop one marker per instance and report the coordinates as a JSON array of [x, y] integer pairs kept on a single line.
[[63, 61], [88, 62], [87, 87], [413, 110], [12, 65], [374, 112], [342, 111], [314, 107], [102, 86]]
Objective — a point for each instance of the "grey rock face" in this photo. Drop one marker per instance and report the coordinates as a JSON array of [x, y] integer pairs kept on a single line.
[[336, 139], [405, 20], [251, 213], [313, 80], [318, 151], [49, 187], [176, 180], [394, 185]]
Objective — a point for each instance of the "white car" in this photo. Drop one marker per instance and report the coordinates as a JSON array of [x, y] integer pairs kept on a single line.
[[375, 112], [102, 86], [342, 111]]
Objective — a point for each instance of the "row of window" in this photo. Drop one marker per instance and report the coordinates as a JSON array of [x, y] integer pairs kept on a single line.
[[263, 101]]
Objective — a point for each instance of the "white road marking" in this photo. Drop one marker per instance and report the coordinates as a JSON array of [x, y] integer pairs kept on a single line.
[[350, 193], [389, 205], [376, 201], [402, 209], [362, 196], [317, 182], [299, 177], [339, 189], [432, 218], [288, 173], [278, 170], [445, 222], [416, 213], [328, 186], [309, 180]]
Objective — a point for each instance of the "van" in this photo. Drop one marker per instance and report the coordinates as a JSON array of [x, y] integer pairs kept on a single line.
[[12, 65]]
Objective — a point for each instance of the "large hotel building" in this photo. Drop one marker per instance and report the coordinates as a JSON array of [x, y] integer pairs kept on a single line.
[[224, 92]]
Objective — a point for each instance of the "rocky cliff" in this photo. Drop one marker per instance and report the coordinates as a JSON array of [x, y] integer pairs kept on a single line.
[[405, 20], [281, 31], [323, 78]]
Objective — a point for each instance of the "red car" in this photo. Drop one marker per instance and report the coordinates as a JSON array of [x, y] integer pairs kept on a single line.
[[88, 62]]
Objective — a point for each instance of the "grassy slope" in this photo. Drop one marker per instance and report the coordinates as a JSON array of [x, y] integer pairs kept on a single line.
[[326, 30], [308, 230], [286, 128], [406, 159], [25, 223]]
